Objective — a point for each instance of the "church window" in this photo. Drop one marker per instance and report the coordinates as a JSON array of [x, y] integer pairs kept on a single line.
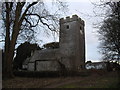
[[80, 28], [67, 26]]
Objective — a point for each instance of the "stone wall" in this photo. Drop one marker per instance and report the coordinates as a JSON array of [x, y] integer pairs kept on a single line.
[[46, 54], [72, 47], [31, 66], [44, 60], [50, 65]]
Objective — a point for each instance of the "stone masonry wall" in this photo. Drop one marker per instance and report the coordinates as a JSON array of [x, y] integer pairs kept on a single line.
[[72, 42], [44, 60]]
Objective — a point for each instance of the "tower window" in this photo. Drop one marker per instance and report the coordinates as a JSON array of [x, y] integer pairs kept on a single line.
[[80, 28], [67, 26]]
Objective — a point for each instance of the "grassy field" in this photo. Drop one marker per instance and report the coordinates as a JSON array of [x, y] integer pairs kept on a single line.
[[95, 80], [106, 82]]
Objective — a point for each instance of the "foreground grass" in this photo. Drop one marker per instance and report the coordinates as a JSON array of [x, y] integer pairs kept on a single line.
[[96, 80], [99, 82]]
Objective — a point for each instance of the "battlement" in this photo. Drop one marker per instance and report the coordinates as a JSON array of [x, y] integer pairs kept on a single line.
[[73, 18]]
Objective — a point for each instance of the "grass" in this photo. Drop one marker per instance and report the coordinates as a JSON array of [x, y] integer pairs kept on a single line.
[[100, 83], [95, 80], [68, 86]]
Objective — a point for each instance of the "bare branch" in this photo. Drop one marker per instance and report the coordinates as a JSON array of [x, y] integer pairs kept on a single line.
[[40, 18], [2, 40], [24, 14], [31, 23]]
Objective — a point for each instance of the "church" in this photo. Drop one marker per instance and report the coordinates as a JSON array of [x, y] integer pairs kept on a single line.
[[71, 52]]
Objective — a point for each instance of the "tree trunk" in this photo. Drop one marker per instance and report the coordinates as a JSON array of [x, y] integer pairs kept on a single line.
[[7, 41], [10, 44], [10, 56], [10, 40]]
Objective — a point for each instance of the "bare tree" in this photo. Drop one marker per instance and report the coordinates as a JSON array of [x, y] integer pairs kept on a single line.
[[20, 20], [109, 30]]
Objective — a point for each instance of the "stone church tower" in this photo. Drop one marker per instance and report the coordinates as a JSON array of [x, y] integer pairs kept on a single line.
[[72, 43], [71, 51]]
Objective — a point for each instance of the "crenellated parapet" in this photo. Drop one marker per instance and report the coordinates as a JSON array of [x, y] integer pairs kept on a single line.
[[73, 18]]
